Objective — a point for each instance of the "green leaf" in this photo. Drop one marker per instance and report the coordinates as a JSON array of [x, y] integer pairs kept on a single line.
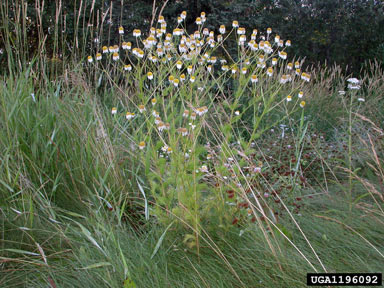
[[7, 186], [145, 201], [97, 265], [158, 244], [22, 252], [89, 236], [148, 160], [360, 197], [128, 283], [189, 240], [74, 214]]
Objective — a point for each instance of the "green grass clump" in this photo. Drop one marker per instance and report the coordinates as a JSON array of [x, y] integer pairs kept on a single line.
[[93, 250], [140, 167]]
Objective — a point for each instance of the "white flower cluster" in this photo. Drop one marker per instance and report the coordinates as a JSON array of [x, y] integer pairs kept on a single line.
[[353, 84]]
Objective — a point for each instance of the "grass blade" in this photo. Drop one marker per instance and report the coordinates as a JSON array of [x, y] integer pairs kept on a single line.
[[158, 244]]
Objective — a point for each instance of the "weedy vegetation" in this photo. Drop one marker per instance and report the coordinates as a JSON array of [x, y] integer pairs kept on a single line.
[[162, 158]]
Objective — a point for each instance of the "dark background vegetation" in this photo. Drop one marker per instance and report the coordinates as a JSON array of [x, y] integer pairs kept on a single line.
[[346, 32]]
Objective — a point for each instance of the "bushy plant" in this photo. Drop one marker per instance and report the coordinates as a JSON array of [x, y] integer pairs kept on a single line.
[[193, 118]]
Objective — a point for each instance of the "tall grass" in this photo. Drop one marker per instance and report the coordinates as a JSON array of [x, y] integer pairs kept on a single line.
[[144, 178]]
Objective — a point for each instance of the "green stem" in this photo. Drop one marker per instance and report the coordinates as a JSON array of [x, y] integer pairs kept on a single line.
[[350, 123]]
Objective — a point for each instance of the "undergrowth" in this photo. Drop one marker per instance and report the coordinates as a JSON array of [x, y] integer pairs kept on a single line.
[[148, 165]]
